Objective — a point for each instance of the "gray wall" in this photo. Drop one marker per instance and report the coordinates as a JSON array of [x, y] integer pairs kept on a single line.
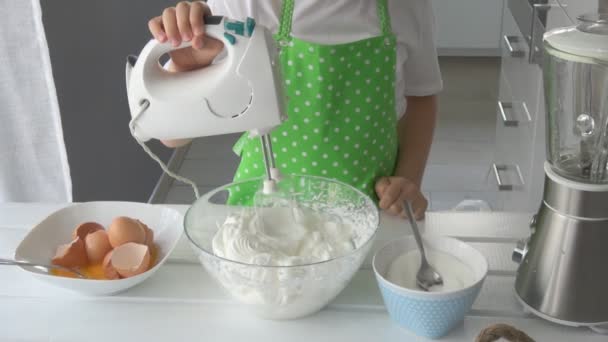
[[89, 41]]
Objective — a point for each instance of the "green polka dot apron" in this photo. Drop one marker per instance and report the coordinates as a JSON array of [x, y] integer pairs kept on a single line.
[[341, 111]]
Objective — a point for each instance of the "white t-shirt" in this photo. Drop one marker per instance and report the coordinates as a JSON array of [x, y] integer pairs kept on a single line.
[[342, 21]]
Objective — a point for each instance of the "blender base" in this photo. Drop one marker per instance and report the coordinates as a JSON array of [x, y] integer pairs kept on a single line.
[[600, 328], [561, 276]]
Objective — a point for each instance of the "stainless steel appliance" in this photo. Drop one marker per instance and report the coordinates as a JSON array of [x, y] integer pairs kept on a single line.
[[562, 275]]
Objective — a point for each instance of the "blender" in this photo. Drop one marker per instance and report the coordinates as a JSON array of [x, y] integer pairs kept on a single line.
[[561, 276]]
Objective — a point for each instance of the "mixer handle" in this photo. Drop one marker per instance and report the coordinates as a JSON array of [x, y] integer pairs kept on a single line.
[[214, 27]]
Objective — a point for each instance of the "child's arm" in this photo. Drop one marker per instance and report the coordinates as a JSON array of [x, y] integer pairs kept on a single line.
[[415, 131]]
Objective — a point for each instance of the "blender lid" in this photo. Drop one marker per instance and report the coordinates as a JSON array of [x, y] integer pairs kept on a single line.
[[589, 39]]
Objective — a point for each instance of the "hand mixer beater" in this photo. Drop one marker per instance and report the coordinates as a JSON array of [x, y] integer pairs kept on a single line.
[[241, 92]]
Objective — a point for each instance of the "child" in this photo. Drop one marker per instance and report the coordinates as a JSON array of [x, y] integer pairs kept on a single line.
[[362, 78]]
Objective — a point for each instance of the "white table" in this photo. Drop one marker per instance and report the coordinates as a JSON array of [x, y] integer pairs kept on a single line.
[[181, 303]]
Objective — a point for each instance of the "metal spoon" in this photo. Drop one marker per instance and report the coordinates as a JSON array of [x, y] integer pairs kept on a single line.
[[427, 276], [45, 268]]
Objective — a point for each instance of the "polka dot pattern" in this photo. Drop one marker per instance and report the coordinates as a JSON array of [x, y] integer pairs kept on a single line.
[[428, 317], [337, 124]]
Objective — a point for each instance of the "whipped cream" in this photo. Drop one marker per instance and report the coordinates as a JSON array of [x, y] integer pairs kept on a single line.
[[283, 236], [300, 239], [456, 274]]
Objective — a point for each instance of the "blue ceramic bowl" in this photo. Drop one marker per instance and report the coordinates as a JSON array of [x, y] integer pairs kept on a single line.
[[429, 314]]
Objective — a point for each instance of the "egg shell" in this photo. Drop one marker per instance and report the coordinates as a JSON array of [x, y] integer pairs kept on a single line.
[[142, 224], [125, 229], [108, 269], [73, 254], [131, 259], [85, 229], [97, 246], [149, 237]]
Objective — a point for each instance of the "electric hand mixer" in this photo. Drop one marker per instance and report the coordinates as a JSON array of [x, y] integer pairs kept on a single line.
[[241, 92]]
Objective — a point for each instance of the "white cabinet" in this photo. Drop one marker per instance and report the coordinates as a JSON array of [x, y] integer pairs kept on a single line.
[[468, 27], [520, 131], [516, 118]]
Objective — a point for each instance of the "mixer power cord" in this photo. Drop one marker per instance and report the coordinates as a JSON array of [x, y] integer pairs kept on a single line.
[[144, 105]]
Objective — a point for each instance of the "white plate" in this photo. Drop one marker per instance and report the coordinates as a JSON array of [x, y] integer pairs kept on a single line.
[[41, 242]]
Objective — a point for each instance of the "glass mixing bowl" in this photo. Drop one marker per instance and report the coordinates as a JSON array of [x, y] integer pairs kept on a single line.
[[284, 292]]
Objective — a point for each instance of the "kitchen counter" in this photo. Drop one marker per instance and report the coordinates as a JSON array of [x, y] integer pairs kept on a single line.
[[181, 302]]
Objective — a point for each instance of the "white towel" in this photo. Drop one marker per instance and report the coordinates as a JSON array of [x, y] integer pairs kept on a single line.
[[33, 160]]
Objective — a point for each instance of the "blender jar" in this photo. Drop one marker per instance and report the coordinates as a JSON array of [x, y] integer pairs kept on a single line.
[[576, 94]]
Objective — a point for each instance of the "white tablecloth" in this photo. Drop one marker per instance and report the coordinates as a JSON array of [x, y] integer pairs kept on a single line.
[[182, 303]]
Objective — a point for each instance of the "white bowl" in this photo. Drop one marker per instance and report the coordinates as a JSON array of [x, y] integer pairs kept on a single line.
[[41, 242], [429, 314]]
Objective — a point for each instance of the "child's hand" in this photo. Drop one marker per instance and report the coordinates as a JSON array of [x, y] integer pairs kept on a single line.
[[184, 22], [393, 191]]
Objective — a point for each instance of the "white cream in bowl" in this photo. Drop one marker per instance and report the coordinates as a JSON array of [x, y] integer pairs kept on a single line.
[[456, 274]]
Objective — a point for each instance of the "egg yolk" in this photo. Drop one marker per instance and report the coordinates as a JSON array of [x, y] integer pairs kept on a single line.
[[95, 271]]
